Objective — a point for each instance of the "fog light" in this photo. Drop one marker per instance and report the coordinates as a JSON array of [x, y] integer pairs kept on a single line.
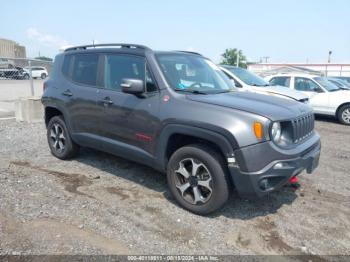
[[280, 165], [231, 160], [264, 184]]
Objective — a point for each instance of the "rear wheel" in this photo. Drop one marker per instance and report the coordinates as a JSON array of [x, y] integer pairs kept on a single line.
[[197, 179], [43, 76], [60, 142], [344, 114]]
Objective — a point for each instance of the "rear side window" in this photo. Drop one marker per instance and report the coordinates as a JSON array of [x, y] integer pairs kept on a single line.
[[280, 81], [118, 67], [85, 69], [66, 66]]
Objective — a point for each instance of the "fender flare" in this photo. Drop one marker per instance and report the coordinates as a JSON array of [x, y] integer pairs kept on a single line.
[[222, 138], [59, 108]]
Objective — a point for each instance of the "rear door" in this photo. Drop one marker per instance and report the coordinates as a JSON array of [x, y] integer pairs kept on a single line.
[[319, 99], [126, 118], [80, 92]]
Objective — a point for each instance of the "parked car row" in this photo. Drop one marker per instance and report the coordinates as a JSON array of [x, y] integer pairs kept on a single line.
[[326, 98], [16, 72]]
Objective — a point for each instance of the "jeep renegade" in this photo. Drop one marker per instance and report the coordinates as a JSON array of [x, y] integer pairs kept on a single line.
[[178, 113]]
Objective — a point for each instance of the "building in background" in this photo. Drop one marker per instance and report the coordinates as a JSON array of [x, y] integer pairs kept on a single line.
[[331, 69], [11, 49]]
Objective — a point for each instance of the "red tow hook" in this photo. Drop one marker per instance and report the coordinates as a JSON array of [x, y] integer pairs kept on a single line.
[[294, 180]]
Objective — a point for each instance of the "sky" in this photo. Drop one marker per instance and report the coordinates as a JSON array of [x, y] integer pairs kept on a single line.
[[285, 31]]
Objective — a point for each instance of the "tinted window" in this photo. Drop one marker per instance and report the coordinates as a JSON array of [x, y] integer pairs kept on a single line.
[[305, 84], [67, 65], [280, 81], [150, 84], [85, 69], [118, 67]]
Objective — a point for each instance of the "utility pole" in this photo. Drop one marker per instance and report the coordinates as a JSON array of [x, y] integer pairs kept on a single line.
[[266, 58], [329, 56]]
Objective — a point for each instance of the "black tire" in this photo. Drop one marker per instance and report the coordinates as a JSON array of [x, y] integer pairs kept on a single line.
[[344, 114], [219, 183], [43, 76], [69, 148]]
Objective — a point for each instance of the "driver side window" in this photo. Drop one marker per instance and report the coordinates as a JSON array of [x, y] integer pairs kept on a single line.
[[305, 84]]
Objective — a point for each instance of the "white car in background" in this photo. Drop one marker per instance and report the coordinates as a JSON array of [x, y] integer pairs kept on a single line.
[[37, 72], [325, 97], [245, 80]]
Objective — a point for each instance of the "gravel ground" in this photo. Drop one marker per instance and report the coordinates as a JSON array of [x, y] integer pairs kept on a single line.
[[101, 204]]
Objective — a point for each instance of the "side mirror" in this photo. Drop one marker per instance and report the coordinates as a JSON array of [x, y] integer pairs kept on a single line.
[[132, 86], [318, 90]]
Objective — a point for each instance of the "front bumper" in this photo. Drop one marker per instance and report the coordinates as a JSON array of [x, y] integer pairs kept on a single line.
[[275, 174]]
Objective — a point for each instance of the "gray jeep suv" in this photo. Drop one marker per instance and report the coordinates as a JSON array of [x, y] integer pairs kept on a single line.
[[178, 113]]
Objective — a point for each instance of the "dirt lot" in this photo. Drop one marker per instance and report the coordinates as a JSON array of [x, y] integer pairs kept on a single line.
[[101, 204]]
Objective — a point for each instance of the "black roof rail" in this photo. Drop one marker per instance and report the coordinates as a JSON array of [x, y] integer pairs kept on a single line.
[[190, 52], [84, 47]]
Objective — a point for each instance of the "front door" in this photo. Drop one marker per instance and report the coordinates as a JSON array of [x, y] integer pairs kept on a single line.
[[127, 119], [318, 97]]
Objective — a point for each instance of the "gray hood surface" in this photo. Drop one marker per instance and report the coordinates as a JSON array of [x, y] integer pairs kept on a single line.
[[271, 107]]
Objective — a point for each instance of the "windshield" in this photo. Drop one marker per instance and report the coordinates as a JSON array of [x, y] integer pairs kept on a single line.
[[326, 84], [195, 74], [247, 77]]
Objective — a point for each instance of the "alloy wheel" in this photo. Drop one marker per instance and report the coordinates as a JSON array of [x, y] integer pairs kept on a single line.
[[57, 138], [346, 115], [193, 181]]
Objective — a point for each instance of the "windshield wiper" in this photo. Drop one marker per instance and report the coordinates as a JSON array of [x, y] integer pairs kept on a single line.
[[191, 91], [260, 85]]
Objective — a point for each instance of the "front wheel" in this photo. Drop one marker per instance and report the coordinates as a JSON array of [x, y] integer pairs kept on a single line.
[[60, 142], [197, 178], [344, 114], [43, 76]]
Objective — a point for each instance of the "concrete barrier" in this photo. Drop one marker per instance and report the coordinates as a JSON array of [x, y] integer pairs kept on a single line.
[[29, 109]]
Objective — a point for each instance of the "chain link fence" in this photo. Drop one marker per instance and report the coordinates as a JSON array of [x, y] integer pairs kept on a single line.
[[24, 69], [20, 78]]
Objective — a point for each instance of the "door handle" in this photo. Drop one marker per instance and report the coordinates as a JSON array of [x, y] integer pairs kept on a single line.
[[67, 93], [107, 101]]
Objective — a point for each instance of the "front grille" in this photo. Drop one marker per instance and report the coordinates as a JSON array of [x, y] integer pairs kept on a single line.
[[303, 127]]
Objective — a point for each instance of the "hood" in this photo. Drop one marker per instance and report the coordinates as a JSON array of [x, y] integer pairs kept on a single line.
[[271, 107], [285, 91], [343, 95]]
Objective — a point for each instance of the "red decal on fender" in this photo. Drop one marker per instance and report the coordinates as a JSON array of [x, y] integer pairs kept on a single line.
[[143, 137]]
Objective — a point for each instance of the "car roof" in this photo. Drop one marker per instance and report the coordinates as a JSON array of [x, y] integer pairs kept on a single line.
[[121, 48], [295, 75]]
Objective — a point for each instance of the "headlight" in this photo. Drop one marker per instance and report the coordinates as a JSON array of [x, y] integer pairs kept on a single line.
[[276, 132]]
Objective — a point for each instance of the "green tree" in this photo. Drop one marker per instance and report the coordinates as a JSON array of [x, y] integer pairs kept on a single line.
[[229, 57], [44, 58]]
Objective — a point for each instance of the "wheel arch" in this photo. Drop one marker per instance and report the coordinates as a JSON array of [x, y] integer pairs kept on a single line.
[[174, 136], [340, 106]]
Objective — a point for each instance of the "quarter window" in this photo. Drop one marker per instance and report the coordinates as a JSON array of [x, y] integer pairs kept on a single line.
[[305, 84], [85, 69], [67, 65]]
